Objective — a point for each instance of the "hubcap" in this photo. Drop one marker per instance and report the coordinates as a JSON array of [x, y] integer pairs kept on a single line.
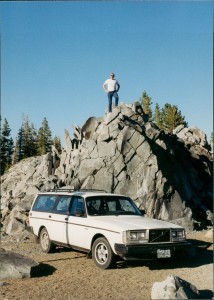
[[101, 253], [44, 240]]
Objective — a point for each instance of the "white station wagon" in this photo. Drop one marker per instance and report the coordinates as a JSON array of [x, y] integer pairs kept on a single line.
[[104, 225]]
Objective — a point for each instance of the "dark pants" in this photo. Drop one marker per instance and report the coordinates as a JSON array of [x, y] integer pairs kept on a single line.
[[110, 96]]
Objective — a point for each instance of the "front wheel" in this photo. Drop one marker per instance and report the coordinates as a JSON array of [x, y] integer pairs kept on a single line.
[[45, 241], [102, 253]]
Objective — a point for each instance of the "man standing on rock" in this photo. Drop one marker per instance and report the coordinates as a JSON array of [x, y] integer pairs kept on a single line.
[[111, 86]]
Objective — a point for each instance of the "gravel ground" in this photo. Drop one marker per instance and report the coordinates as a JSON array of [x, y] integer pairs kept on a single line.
[[67, 274]]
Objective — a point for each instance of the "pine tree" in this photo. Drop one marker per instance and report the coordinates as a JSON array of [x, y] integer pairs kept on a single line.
[[44, 140], [15, 153], [211, 140], [158, 116], [19, 146], [57, 144], [6, 147], [29, 139], [34, 139], [146, 103], [171, 117], [26, 141]]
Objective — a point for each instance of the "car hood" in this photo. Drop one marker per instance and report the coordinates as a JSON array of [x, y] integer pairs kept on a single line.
[[120, 223]]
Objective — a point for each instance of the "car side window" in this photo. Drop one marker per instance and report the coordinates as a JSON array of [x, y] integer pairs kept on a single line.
[[44, 203], [62, 205], [77, 207], [126, 205], [93, 205]]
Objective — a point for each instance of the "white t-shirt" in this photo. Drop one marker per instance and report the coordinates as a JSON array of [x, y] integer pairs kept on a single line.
[[111, 84]]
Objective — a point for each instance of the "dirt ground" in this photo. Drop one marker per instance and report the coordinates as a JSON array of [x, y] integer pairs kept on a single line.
[[67, 274]]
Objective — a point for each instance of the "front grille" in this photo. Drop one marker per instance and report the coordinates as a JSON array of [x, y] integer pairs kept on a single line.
[[159, 235]]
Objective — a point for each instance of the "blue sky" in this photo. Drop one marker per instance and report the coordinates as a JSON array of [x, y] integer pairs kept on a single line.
[[56, 55]]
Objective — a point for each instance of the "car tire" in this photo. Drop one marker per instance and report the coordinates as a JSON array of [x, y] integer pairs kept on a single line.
[[45, 242], [102, 253]]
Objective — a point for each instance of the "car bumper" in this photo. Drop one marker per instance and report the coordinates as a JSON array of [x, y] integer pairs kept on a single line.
[[149, 251]]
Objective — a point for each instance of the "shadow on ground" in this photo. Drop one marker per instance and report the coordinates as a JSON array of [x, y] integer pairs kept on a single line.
[[67, 258], [42, 270], [206, 294]]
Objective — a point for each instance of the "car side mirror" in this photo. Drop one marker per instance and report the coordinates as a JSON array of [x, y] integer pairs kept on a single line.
[[79, 213]]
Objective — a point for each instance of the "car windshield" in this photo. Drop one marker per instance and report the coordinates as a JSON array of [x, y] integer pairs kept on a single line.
[[111, 205]]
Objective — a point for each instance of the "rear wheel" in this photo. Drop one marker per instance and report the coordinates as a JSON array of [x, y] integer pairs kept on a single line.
[[45, 242], [102, 253]]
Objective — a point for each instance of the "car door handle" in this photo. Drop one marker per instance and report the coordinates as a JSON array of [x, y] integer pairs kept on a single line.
[[66, 219], [49, 216]]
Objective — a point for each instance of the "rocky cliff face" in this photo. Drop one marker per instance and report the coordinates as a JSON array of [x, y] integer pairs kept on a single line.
[[168, 175], [19, 187]]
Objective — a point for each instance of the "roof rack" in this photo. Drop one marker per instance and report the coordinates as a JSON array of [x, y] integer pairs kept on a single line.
[[91, 190], [62, 190], [76, 190]]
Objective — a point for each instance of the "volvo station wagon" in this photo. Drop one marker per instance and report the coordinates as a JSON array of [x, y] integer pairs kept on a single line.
[[106, 226]]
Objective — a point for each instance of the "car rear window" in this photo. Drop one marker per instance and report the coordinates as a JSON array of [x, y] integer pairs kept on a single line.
[[44, 203]]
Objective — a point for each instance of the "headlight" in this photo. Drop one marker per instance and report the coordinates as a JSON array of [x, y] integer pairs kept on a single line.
[[134, 236], [178, 235]]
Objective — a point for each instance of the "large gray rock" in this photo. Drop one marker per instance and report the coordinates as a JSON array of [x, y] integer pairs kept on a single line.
[[19, 187], [172, 288], [89, 127], [167, 175], [156, 169], [14, 265], [13, 226]]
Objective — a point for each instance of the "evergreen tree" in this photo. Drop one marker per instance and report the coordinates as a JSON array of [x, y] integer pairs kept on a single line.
[[15, 153], [146, 103], [158, 116], [6, 147], [171, 117], [57, 144], [166, 118], [29, 139], [211, 140], [34, 138], [44, 140], [26, 141], [19, 146]]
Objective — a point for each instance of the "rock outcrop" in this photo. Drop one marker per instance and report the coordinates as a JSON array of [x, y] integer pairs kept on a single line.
[[167, 175], [14, 265], [174, 288], [19, 187]]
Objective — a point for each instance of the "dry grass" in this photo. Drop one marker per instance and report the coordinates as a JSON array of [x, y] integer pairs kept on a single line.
[[68, 274]]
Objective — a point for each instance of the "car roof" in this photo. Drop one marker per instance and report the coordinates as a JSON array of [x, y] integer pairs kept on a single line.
[[81, 192]]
